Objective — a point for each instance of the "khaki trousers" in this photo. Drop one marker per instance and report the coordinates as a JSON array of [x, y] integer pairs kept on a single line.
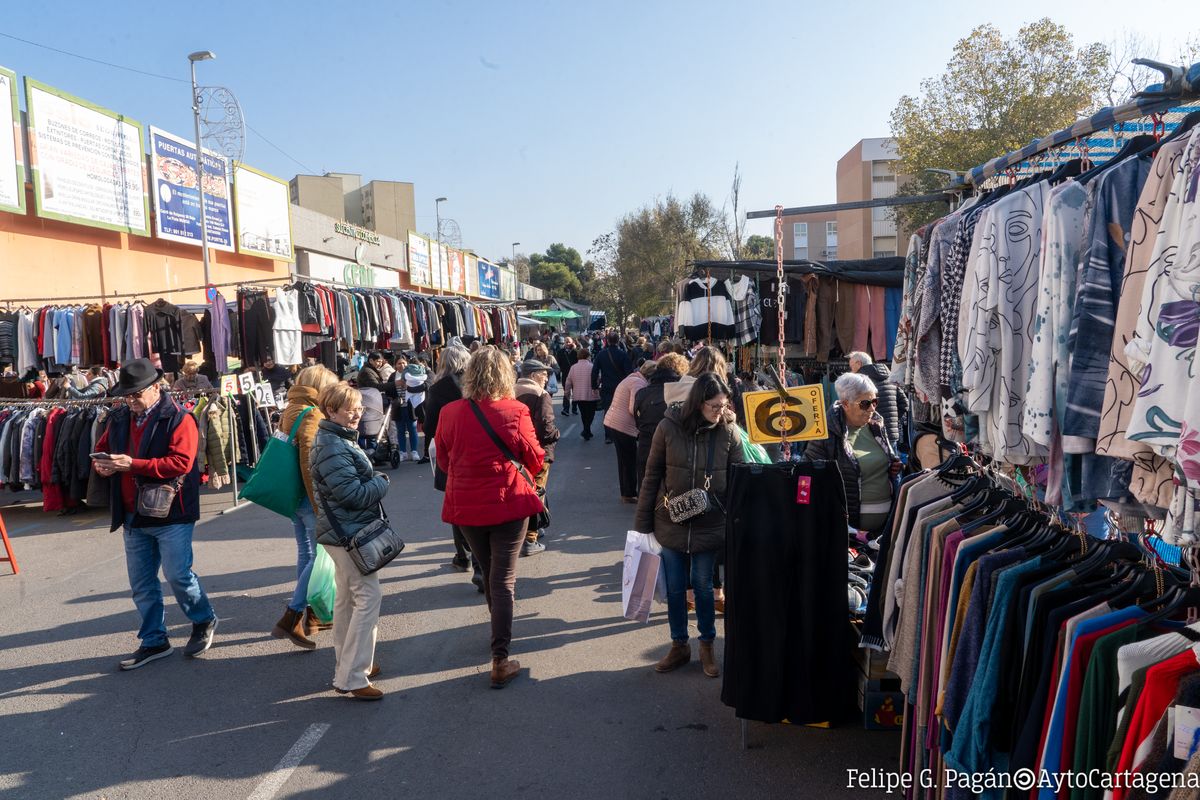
[[355, 618]]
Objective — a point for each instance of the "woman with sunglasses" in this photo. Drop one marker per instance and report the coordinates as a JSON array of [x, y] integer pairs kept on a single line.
[[859, 444]]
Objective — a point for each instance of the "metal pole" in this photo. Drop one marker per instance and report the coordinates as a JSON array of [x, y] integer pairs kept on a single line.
[[200, 179]]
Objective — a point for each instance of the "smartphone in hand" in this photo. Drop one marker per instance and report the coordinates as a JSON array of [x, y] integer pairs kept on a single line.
[[100, 456]]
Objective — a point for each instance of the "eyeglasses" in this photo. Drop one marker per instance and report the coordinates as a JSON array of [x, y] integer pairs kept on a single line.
[[716, 406], [868, 404]]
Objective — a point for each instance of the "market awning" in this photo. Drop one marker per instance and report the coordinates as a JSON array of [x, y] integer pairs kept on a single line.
[[526, 321], [553, 313]]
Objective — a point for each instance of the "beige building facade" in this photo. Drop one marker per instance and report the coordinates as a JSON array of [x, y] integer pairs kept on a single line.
[[385, 207], [866, 172]]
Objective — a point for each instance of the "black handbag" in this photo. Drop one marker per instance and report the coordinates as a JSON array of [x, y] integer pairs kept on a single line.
[[540, 519], [373, 547]]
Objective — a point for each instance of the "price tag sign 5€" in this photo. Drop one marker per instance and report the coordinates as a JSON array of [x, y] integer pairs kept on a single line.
[[801, 418]]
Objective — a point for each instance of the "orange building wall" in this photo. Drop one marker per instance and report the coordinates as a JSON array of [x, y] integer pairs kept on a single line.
[[46, 259]]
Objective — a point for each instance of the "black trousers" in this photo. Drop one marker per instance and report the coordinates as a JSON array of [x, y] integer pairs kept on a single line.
[[587, 413], [787, 654], [626, 447]]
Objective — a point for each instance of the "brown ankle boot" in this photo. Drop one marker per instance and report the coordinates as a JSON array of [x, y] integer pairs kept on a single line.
[[291, 626], [503, 671], [313, 623], [708, 660], [679, 654]]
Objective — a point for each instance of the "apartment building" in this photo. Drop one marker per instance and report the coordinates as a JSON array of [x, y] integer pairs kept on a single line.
[[866, 172], [385, 207], [812, 237]]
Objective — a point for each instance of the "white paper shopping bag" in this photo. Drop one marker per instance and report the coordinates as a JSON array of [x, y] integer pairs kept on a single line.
[[638, 576]]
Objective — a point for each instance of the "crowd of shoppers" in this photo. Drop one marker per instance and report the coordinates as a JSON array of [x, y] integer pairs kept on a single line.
[[490, 431]]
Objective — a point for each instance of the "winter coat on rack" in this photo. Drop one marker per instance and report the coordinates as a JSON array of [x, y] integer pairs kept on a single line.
[[219, 437], [676, 465], [893, 406]]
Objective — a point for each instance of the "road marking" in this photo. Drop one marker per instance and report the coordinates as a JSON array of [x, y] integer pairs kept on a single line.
[[570, 430], [271, 784]]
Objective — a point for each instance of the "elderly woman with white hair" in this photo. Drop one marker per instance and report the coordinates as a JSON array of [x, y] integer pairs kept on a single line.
[[859, 444]]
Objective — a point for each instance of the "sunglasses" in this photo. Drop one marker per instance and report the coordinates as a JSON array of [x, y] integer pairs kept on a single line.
[[868, 404]]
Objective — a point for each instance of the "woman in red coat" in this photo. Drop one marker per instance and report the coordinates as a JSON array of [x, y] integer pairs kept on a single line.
[[487, 496]]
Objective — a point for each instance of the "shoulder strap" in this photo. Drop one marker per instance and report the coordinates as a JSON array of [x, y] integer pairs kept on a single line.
[[504, 449], [296, 424], [333, 523], [712, 449]]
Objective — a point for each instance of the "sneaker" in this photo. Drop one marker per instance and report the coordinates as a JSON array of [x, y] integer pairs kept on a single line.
[[403, 456], [202, 638], [532, 548], [145, 655], [414, 456], [423, 460]]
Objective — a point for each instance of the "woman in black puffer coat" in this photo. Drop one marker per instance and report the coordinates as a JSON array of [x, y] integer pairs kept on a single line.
[[678, 463]]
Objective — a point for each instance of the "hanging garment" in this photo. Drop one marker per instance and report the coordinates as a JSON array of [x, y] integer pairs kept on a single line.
[[287, 327], [785, 574], [705, 310]]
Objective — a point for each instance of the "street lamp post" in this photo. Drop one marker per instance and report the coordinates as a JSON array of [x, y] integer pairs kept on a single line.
[[514, 258], [437, 205], [200, 55]]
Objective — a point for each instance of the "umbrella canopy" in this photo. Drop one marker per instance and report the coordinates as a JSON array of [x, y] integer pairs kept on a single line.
[[552, 313]]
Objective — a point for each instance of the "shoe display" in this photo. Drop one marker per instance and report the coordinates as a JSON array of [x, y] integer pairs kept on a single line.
[[144, 655], [290, 626], [503, 671], [532, 548], [201, 639], [679, 654]]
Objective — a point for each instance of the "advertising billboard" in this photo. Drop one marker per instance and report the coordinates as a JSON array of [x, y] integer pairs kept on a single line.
[[86, 162], [263, 212], [12, 164], [508, 284], [489, 280], [176, 198], [471, 267], [419, 270], [458, 275]]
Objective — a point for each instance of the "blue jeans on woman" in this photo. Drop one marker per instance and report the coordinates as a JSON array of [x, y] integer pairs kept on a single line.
[[406, 424], [304, 524], [676, 566]]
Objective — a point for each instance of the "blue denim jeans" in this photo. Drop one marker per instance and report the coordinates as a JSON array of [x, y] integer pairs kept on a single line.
[[304, 524], [407, 424], [676, 567], [168, 547]]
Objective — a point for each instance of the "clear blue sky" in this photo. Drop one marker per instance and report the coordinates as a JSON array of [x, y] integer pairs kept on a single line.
[[544, 121]]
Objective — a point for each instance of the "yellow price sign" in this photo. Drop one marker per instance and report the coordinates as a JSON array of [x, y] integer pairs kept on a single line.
[[801, 418]]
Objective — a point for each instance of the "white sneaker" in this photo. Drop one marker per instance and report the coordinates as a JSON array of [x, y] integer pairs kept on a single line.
[[414, 456], [403, 456]]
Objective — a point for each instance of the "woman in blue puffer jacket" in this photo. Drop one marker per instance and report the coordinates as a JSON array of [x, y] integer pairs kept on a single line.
[[348, 488]]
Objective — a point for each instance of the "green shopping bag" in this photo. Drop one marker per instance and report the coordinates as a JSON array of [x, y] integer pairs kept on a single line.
[[751, 452], [277, 483], [321, 590]]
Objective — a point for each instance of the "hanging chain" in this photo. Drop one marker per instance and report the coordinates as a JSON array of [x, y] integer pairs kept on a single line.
[[780, 299]]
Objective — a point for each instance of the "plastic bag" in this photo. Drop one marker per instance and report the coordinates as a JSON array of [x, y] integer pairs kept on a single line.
[[640, 573], [751, 452], [321, 588]]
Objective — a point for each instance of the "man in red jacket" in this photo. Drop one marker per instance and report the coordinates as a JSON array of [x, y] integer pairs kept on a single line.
[[151, 445]]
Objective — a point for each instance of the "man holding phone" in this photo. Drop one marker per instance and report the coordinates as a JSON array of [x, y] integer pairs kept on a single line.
[[150, 444]]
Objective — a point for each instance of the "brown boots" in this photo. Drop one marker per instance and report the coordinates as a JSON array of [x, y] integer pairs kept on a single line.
[[291, 626], [503, 671], [312, 624], [679, 654], [708, 661]]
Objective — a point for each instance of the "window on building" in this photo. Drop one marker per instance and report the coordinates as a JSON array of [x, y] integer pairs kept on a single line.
[[800, 253], [881, 172], [831, 239], [800, 234], [830, 253], [884, 246]]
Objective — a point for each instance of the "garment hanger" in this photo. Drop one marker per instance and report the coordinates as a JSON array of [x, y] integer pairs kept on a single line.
[[1137, 146]]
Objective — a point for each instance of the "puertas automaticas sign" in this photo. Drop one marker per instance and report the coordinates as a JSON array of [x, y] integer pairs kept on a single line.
[[801, 418]]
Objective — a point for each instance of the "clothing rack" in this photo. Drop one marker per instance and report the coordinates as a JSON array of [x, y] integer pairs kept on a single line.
[[112, 295], [1180, 85]]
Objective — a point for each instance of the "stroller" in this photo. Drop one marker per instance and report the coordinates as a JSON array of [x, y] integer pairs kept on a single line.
[[373, 436]]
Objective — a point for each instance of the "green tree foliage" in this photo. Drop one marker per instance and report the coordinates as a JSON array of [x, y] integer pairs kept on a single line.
[[995, 95], [573, 284], [759, 248]]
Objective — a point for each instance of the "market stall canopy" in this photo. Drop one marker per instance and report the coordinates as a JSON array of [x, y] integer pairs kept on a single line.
[[887, 271], [553, 313], [526, 322]]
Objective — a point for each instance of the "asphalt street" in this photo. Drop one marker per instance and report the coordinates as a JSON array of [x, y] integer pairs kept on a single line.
[[255, 717]]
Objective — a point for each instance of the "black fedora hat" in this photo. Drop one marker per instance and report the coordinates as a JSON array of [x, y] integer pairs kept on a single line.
[[135, 376]]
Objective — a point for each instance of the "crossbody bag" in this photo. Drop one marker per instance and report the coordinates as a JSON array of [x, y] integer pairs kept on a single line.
[[695, 502]]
